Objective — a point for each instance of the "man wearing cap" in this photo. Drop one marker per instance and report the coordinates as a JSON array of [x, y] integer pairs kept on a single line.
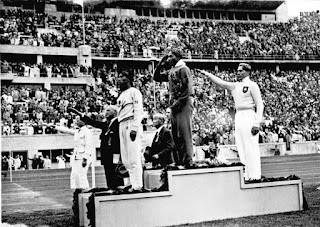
[[109, 145], [160, 152], [173, 70], [249, 109], [130, 115]]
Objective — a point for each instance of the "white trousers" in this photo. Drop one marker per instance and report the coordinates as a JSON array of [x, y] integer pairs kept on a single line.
[[78, 177], [247, 144], [131, 153]]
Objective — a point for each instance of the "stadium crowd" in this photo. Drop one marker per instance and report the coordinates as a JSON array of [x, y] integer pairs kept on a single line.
[[291, 104], [295, 39], [45, 70], [291, 97]]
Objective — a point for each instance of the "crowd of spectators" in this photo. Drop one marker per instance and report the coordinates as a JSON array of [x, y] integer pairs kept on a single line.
[[291, 104], [296, 39], [291, 97], [59, 70]]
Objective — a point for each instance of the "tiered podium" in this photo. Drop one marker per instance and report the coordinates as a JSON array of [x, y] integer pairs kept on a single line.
[[194, 195]]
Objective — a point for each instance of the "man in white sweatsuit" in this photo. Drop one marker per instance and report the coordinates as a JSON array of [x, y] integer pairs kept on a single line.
[[130, 115], [249, 109], [82, 153]]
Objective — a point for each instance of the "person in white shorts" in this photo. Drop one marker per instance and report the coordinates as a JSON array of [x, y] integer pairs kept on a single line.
[[249, 109]]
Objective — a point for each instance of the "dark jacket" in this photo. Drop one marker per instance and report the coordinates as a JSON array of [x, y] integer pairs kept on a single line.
[[163, 146], [180, 84], [110, 141]]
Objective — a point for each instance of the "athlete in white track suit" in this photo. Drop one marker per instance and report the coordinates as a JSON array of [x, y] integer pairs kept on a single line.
[[130, 114], [83, 151], [249, 109]]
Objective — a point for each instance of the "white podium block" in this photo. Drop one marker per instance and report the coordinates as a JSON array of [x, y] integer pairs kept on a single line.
[[83, 200], [151, 178], [198, 195]]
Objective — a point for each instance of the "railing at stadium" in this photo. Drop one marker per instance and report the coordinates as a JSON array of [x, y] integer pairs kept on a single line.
[[117, 54], [15, 73]]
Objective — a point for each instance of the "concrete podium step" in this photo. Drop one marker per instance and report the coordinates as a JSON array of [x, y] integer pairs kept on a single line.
[[195, 195]]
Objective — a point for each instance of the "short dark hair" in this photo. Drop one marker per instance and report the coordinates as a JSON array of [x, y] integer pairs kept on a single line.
[[177, 52], [128, 73], [162, 117], [245, 66]]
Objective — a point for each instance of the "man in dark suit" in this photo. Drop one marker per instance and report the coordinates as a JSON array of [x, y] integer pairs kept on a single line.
[[161, 151], [110, 144]]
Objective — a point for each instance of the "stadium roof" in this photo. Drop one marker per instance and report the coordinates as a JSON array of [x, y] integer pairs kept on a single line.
[[242, 4], [179, 4], [203, 4]]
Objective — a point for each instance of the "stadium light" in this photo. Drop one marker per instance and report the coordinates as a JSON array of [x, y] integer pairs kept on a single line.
[[166, 3]]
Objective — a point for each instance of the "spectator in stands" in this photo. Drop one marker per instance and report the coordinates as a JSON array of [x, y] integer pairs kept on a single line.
[[6, 129], [19, 116], [15, 95], [6, 117]]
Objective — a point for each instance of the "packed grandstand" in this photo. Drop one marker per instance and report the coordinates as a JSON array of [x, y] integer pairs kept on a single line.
[[291, 93]]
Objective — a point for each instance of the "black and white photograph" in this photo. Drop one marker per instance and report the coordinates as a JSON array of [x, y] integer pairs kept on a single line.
[[160, 113]]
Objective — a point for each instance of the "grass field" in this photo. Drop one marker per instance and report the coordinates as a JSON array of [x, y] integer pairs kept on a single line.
[[311, 217]]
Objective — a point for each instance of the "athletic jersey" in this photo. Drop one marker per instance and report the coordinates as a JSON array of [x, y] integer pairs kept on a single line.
[[246, 95], [130, 106]]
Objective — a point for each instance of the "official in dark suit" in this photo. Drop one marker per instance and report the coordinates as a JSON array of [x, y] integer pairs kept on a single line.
[[110, 144], [161, 151]]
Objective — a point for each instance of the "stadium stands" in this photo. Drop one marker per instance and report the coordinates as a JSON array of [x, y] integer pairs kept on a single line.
[[296, 39], [291, 97], [291, 102]]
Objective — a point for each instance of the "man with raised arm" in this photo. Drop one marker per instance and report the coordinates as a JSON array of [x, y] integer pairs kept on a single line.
[[249, 109], [83, 151]]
